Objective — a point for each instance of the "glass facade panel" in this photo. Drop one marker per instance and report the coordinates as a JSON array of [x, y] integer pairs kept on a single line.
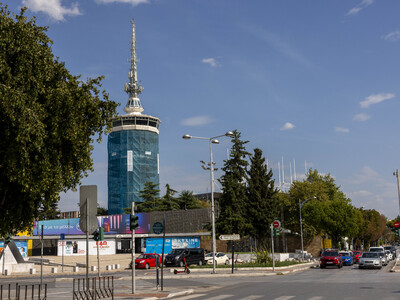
[[124, 184]]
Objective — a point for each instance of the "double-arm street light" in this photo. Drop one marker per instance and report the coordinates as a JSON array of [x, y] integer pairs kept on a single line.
[[301, 225], [212, 140]]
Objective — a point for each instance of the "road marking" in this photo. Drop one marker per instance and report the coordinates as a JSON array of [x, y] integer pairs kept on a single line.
[[58, 293], [191, 296], [252, 297], [220, 297], [316, 298], [284, 298]]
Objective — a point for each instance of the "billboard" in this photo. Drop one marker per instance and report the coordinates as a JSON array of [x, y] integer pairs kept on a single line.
[[78, 247], [113, 224], [21, 245], [154, 245]]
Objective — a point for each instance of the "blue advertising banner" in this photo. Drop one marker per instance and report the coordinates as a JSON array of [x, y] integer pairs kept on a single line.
[[112, 224], [154, 245], [21, 245]]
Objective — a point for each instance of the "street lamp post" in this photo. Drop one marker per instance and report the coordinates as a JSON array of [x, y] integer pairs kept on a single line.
[[301, 225], [212, 140]]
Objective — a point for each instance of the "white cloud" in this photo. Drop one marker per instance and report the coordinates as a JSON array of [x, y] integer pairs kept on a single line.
[[197, 121], [361, 117], [287, 126], [392, 36], [341, 129], [363, 4], [375, 99], [132, 2], [53, 8], [211, 61]]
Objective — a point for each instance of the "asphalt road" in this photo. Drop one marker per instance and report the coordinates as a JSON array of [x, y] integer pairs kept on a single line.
[[313, 284]]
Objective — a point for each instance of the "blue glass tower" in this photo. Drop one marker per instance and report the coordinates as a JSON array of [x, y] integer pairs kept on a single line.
[[133, 157]]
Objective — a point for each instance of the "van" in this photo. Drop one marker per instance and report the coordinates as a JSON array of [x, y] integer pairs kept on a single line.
[[376, 249], [193, 256]]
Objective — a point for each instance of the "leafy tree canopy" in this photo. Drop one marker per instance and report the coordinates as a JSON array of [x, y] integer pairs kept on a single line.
[[48, 119]]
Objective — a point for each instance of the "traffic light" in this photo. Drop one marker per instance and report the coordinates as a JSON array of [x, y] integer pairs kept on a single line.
[[96, 235], [133, 222], [101, 233], [276, 232], [7, 239]]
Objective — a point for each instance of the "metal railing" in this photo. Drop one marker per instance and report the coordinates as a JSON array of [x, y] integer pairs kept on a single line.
[[24, 291], [99, 288]]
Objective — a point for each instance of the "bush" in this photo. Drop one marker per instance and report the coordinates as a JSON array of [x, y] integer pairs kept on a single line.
[[263, 255]]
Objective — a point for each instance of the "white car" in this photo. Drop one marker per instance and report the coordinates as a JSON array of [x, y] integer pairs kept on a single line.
[[220, 258], [389, 255]]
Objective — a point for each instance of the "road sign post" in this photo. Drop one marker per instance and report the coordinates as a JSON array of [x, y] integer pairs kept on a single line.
[[272, 246], [396, 224]]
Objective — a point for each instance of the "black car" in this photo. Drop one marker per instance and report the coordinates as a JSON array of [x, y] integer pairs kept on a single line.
[[193, 256]]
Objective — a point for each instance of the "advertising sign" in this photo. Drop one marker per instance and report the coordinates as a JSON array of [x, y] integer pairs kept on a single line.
[[78, 247], [112, 224], [21, 245], [154, 245]]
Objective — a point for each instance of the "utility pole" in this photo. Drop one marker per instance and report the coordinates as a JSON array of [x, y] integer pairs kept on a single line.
[[398, 185]]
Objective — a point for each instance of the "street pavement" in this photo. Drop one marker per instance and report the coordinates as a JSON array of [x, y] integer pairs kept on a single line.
[[60, 284]]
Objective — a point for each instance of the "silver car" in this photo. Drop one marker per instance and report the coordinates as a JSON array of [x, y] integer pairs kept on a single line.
[[370, 260]]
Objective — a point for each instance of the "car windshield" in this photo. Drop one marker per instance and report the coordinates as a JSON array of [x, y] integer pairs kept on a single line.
[[375, 249], [345, 253], [144, 256], [330, 253], [176, 251], [209, 254], [370, 255]]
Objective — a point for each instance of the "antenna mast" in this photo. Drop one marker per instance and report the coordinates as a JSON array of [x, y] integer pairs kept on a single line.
[[133, 88]]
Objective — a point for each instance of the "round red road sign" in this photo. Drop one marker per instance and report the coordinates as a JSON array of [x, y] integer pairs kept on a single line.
[[276, 224], [396, 224]]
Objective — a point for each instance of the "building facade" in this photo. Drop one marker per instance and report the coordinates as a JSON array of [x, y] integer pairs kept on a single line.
[[133, 152]]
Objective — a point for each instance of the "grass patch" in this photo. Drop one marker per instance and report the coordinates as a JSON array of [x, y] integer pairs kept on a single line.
[[250, 265]]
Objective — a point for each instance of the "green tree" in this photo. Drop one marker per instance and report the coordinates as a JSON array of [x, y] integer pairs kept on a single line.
[[168, 201], [49, 211], [262, 205], [187, 200], [232, 217], [48, 118], [330, 213], [101, 211], [150, 195]]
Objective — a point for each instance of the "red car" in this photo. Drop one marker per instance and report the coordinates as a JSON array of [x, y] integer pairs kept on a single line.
[[357, 255], [146, 261], [331, 257]]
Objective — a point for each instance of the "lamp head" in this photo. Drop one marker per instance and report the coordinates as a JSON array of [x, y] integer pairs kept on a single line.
[[215, 141], [229, 133], [187, 137]]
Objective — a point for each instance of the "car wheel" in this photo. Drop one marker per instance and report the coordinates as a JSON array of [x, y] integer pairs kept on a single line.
[[227, 262], [322, 267], [181, 264], [147, 266], [200, 262]]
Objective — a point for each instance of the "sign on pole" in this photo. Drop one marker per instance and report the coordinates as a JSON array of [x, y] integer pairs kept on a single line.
[[229, 237], [88, 197], [276, 224], [158, 227], [396, 224]]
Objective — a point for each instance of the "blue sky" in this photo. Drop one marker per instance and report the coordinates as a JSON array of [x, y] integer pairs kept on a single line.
[[311, 81]]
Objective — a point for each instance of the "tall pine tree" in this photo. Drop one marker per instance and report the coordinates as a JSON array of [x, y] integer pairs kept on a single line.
[[232, 217], [262, 202]]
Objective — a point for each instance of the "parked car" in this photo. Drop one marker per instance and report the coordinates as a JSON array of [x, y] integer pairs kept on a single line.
[[376, 249], [392, 249], [331, 257], [389, 255], [220, 258], [347, 258], [370, 260], [383, 257], [193, 256], [357, 255], [146, 261]]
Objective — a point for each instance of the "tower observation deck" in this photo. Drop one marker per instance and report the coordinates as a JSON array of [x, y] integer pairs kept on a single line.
[[133, 152]]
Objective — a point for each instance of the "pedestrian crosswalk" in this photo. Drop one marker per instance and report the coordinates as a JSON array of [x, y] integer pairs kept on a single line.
[[255, 297]]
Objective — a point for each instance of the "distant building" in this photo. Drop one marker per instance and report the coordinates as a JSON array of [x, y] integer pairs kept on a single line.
[[69, 214], [133, 154]]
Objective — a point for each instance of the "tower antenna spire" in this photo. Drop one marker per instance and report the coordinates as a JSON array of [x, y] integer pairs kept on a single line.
[[133, 88]]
